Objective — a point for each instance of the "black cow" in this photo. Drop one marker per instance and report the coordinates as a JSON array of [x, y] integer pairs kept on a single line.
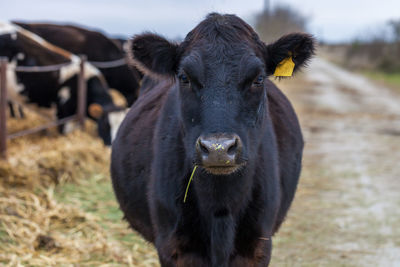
[[98, 48], [213, 107], [24, 48]]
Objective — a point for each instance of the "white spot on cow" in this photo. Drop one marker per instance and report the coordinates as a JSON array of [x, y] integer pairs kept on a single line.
[[20, 56], [69, 127], [7, 28], [115, 119], [73, 69], [69, 70], [91, 71], [64, 94], [125, 47], [13, 87]]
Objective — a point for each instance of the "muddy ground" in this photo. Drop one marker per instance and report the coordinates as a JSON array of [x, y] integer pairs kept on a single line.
[[346, 209]]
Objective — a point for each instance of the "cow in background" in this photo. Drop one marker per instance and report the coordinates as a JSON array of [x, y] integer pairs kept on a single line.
[[120, 42], [98, 48], [53, 87]]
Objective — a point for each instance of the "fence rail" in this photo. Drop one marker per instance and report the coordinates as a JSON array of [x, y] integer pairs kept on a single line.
[[109, 64], [48, 68], [3, 104], [80, 115]]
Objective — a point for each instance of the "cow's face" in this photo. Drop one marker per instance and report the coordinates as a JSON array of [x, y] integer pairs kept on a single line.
[[221, 70], [222, 96], [102, 109]]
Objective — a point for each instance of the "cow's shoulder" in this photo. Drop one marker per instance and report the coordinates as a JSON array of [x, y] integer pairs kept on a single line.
[[284, 118]]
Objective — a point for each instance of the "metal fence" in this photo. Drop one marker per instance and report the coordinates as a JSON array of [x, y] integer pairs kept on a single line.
[[80, 115]]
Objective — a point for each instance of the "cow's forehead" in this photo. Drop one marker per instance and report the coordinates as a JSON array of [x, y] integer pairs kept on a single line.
[[221, 60], [220, 51]]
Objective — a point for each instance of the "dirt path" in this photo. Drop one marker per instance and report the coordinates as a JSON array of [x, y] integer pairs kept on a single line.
[[346, 212]]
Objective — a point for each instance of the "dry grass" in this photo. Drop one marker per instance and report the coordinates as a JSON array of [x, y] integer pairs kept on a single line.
[[57, 207]]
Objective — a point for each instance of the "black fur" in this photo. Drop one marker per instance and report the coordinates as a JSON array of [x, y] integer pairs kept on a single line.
[[154, 53], [229, 219]]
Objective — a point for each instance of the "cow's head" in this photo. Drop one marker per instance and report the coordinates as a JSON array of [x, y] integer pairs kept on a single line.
[[221, 70], [108, 120], [100, 106], [102, 109]]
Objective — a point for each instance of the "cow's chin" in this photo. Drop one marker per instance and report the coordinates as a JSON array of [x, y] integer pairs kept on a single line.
[[221, 170]]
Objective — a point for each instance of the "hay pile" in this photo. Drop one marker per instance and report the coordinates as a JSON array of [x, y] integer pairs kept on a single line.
[[39, 229]]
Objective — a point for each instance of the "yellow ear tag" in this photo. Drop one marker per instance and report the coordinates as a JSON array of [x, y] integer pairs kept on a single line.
[[285, 68]]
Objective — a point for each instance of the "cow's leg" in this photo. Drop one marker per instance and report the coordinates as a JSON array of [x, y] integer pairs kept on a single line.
[[187, 259], [167, 250], [11, 108], [166, 263], [263, 253], [191, 259], [21, 111], [171, 256], [261, 256]]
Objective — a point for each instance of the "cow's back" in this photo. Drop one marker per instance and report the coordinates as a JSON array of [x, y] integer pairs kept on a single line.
[[132, 154]]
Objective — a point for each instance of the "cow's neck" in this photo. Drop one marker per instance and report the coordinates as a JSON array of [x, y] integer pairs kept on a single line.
[[220, 201], [218, 194]]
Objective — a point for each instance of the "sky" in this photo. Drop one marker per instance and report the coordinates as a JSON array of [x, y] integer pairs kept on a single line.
[[332, 21]]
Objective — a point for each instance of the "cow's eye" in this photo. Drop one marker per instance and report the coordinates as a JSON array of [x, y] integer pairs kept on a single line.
[[184, 79], [259, 81]]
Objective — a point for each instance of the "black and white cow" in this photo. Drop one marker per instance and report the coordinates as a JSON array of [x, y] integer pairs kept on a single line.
[[107, 54], [53, 87]]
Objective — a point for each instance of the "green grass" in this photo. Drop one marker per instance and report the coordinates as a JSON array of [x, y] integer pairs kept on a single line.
[[95, 196], [392, 79]]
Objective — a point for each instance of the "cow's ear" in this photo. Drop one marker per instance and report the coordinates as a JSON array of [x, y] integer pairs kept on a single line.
[[153, 55], [289, 54]]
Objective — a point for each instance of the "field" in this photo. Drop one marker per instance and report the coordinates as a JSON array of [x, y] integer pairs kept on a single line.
[[387, 79], [57, 207], [345, 210], [363, 63]]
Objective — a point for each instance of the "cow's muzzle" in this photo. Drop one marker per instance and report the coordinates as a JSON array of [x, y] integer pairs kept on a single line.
[[219, 153]]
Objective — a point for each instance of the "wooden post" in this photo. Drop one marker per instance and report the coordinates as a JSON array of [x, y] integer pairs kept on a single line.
[[3, 106], [82, 92]]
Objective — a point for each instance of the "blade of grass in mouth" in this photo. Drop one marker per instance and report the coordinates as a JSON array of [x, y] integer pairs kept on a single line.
[[190, 180]]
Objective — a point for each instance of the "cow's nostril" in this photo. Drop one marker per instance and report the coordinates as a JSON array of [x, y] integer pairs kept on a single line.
[[233, 147], [203, 148]]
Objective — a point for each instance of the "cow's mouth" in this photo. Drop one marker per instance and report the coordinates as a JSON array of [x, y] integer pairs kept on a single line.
[[221, 170]]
